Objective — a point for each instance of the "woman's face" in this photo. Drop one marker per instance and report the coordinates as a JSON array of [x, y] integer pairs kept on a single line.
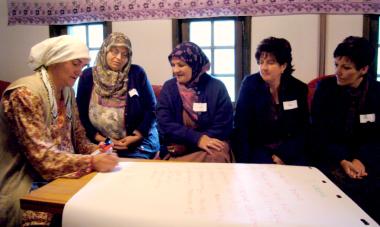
[[270, 69], [346, 72], [68, 71], [181, 70], [117, 57]]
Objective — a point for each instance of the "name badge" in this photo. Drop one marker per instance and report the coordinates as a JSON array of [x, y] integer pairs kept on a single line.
[[364, 118], [133, 92], [200, 107], [289, 105]]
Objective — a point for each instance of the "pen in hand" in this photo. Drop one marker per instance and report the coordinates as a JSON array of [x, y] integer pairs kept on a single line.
[[104, 147]]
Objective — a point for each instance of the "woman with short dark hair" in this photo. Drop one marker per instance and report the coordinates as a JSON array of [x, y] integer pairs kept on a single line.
[[345, 116], [271, 112]]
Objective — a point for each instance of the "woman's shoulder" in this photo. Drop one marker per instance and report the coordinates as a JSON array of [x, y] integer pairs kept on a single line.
[[327, 82], [170, 83], [296, 82], [137, 69], [87, 73], [252, 80]]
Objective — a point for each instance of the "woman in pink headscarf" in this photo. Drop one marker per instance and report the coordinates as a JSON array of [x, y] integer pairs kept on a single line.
[[194, 110]]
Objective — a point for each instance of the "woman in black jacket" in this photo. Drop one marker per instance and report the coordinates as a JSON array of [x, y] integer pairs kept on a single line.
[[272, 114], [345, 116]]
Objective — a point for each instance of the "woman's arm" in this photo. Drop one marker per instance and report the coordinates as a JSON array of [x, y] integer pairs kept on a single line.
[[25, 113]]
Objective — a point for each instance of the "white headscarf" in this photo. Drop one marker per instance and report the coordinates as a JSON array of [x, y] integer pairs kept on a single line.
[[56, 50]]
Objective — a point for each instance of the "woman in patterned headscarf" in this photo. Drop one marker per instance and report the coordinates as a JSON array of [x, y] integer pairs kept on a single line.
[[194, 110], [40, 129], [116, 101]]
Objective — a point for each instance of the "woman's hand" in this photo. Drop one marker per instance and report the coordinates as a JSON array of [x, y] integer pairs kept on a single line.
[[104, 162], [126, 141], [354, 169], [210, 145], [277, 160]]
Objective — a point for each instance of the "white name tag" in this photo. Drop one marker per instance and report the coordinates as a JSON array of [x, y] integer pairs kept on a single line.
[[289, 105], [133, 92], [364, 118], [200, 107]]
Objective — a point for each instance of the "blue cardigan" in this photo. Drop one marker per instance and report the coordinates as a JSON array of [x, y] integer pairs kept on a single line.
[[254, 127], [140, 109], [215, 122]]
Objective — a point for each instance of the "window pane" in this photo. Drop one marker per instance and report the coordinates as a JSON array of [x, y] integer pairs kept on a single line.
[[224, 33], [229, 82], [78, 31], [95, 33], [224, 61], [200, 33], [93, 54]]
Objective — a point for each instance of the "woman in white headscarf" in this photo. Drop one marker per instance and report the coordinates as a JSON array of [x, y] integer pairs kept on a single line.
[[41, 134]]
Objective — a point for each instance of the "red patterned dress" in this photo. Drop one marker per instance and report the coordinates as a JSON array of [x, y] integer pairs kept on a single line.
[[48, 148]]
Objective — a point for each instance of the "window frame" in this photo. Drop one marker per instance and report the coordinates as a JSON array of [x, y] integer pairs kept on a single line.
[[371, 32], [57, 30], [181, 33]]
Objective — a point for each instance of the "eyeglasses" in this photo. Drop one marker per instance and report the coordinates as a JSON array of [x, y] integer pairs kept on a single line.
[[115, 52]]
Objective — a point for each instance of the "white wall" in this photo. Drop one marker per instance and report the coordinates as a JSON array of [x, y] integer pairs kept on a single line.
[[15, 43], [151, 45], [152, 42], [339, 27], [302, 33]]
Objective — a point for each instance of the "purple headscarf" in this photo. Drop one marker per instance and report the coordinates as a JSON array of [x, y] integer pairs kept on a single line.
[[193, 55]]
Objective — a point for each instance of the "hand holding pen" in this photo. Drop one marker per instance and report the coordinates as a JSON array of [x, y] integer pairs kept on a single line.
[[103, 159], [104, 147]]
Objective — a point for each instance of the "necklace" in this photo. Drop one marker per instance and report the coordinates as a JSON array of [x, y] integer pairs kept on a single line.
[[58, 96]]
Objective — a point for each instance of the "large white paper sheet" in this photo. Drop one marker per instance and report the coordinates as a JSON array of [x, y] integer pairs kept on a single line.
[[211, 194]]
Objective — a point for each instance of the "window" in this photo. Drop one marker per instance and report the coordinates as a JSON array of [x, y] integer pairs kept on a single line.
[[92, 34], [224, 42], [371, 31], [378, 49]]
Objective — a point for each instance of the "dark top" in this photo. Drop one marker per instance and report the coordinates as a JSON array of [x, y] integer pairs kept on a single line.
[[139, 113], [215, 122], [263, 128], [338, 132]]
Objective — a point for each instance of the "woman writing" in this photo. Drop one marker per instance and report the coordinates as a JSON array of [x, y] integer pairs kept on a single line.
[[116, 100], [41, 133]]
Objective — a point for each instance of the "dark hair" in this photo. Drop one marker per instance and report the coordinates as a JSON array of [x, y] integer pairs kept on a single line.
[[278, 47], [357, 49]]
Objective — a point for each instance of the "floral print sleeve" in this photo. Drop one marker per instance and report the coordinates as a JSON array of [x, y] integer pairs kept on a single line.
[[48, 148], [82, 143]]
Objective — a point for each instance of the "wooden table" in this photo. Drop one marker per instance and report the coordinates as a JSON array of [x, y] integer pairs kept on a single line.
[[53, 196]]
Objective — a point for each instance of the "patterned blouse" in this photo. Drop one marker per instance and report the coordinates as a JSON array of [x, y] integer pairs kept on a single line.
[[49, 148]]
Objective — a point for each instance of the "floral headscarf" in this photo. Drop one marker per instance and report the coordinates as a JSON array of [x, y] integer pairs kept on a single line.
[[197, 60], [109, 83]]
